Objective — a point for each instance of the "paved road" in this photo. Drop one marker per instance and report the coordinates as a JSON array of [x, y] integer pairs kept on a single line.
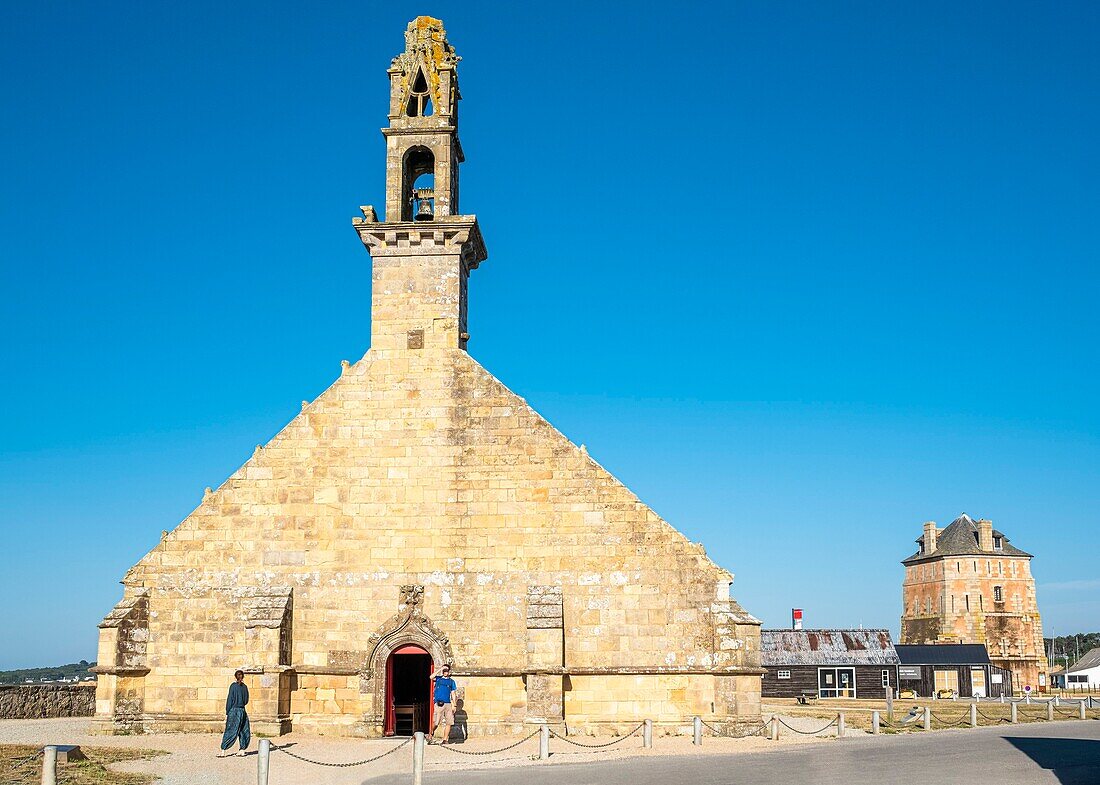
[[1067, 753]]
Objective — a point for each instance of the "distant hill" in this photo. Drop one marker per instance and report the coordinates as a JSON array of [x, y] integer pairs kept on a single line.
[[1067, 647], [77, 670]]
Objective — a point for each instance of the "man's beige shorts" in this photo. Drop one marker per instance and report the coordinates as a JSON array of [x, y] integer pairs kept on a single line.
[[445, 714]]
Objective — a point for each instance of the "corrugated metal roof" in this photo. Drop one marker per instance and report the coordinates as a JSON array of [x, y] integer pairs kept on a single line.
[[827, 647], [943, 654], [1089, 661]]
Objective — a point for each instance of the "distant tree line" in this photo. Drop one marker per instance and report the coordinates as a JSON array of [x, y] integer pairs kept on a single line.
[[1067, 648], [73, 670]]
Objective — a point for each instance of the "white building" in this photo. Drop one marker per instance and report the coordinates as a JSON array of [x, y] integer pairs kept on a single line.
[[1083, 674]]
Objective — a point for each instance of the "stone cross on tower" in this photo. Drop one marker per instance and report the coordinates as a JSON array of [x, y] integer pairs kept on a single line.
[[424, 250]]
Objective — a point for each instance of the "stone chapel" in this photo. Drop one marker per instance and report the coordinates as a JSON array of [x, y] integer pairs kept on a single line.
[[419, 512]]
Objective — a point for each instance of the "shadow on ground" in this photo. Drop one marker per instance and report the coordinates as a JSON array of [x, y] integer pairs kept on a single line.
[[1072, 761]]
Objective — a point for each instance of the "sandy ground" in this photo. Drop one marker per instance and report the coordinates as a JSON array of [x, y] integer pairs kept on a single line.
[[192, 758]]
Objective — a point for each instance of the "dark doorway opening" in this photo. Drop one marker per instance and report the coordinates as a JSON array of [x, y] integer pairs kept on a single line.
[[408, 691]]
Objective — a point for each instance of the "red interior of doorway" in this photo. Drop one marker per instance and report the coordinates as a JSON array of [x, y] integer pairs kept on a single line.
[[408, 680]]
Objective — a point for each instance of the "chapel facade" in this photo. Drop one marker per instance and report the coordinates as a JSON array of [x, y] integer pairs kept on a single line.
[[419, 512], [968, 584]]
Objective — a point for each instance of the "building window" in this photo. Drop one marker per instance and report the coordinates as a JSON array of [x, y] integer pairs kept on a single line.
[[947, 680], [998, 594], [836, 682], [998, 543], [886, 678], [784, 674], [1078, 678]]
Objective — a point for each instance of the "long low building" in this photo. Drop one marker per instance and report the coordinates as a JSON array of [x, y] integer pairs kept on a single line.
[[827, 663], [1083, 674], [963, 668]]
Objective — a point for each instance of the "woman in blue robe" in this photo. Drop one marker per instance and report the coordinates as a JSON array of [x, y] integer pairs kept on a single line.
[[236, 718]]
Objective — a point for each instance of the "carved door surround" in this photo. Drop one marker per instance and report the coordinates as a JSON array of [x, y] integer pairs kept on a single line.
[[408, 626]]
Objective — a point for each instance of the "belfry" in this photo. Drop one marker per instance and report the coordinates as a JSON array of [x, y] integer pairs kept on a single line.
[[416, 513]]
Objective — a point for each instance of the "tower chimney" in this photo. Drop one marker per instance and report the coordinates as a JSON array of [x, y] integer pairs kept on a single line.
[[796, 618], [985, 534], [930, 537]]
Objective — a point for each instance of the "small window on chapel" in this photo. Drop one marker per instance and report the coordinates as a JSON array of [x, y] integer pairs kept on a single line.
[[420, 99]]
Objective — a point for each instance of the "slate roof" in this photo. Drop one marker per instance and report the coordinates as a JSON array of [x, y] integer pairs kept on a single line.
[[827, 647], [943, 654], [960, 538], [1089, 661]]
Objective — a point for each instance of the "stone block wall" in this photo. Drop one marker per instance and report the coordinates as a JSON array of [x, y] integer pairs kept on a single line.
[[41, 701]]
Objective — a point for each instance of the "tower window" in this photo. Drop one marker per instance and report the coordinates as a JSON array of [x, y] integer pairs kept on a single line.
[[420, 98], [998, 594]]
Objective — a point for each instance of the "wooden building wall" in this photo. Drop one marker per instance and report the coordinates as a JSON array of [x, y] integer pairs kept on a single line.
[[804, 679], [926, 685]]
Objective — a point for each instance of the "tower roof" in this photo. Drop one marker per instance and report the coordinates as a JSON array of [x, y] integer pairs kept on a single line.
[[960, 538]]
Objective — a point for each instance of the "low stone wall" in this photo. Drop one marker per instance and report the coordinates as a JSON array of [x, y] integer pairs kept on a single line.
[[38, 701]]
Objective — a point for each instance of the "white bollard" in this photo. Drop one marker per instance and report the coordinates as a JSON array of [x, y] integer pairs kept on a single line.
[[49, 765], [973, 715], [874, 722], [1056, 701], [697, 732], [418, 757], [927, 718], [1027, 699], [1050, 712], [1002, 698], [840, 725], [1081, 710], [775, 727], [263, 762], [544, 742], [647, 735], [1012, 712]]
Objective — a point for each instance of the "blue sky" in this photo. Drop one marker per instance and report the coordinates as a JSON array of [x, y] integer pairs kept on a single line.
[[802, 275]]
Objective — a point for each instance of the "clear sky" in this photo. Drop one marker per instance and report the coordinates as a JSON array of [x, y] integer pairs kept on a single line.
[[803, 275]]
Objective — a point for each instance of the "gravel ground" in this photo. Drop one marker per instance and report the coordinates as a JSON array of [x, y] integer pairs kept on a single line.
[[192, 758]]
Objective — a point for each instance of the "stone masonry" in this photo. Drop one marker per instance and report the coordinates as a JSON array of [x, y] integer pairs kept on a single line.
[[40, 701], [418, 502], [968, 584]]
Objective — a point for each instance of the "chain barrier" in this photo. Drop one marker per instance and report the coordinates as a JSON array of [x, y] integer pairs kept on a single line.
[[596, 746], [807, 733], [723, 734], [390, 751], [949, 723], [983, 715], [24, 761], [452, 748], [1064, 713]]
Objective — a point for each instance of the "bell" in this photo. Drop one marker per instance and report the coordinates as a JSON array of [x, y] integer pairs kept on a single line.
[[424, 211]]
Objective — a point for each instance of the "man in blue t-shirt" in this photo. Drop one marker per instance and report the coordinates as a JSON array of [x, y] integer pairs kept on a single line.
[[443, 694]]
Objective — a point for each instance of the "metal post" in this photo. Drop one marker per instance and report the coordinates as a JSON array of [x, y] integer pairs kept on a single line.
[[775, 727], [927, 718], [840, 725], [1012, 712], [1081, 710], [874, 722], [973, 715], [49, 765], [263, 762], [647, 735], [1027, 699], [697, 740], [418, 757], [1050, 712], [544, 742]]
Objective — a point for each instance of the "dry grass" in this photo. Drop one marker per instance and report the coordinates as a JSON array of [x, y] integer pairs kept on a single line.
[[22, 765]]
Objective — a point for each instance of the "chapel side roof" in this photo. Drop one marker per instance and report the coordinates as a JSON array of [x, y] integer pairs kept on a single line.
[[827, 647], [960, 538], [943, 654], [1088, 662]]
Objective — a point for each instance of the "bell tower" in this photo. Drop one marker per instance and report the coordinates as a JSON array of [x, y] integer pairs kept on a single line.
[[424, 250]]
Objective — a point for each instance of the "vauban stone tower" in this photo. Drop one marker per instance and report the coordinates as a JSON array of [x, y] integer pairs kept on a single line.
[[419, 512], [968, 584]]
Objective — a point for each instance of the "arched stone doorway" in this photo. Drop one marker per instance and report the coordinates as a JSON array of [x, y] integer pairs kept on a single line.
[[408, 691]]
